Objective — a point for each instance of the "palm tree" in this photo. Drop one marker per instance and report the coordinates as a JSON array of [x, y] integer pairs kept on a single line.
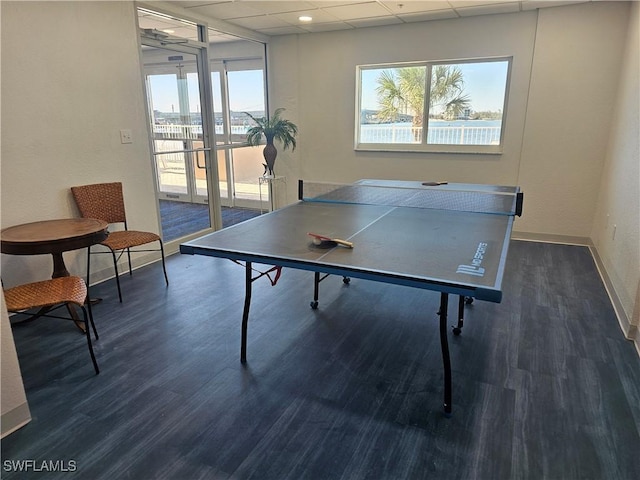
[[273, 128], [447, 91], [401, 91]]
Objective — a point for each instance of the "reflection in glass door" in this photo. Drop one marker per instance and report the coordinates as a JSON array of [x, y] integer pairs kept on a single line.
[[197, 134], [176, 123], [238, 87], [179, 135], [246, 94]]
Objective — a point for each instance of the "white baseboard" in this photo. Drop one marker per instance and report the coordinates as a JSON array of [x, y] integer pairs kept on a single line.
[[107, 273], [139, 260], [15, 419], [548, 238], [635, 337]]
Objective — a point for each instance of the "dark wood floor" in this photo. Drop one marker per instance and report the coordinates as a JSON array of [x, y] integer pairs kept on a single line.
[[544, 385]]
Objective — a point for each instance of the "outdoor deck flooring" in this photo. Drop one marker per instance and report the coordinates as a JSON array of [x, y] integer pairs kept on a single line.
[[182, 218]]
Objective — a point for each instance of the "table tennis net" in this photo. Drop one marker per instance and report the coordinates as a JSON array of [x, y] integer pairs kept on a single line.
[[428, 197]]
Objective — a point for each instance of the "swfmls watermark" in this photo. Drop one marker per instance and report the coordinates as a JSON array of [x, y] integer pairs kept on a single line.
[[30, 465]]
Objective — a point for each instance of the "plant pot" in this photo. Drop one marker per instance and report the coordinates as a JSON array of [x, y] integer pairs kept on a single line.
[[269, 153]]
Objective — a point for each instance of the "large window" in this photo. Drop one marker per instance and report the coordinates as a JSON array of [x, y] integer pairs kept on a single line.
[[454, 106]]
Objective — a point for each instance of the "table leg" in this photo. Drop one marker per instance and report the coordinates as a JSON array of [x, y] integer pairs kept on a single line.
[[317, 278], [446, 360], [245, 313], [458, 328], [316, 290], [92, 301], [59, 268]]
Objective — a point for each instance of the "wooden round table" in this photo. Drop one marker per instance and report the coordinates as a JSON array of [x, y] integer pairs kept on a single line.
[[53, 237]]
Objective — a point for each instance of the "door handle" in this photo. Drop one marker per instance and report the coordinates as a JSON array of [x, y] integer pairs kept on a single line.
[[189, 150], [183, 151]]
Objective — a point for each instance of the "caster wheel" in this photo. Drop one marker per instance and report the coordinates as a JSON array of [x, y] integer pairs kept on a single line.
[[346, 280], [314, 305], [457, 331]]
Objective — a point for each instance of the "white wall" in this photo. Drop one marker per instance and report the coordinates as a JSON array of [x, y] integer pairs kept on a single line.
[[15, 410], [558, 114], [578, 56], [70, 81], [619, 198], [314, 77]]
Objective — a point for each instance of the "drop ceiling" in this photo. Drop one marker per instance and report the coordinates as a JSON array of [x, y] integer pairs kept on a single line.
[[282, 17]]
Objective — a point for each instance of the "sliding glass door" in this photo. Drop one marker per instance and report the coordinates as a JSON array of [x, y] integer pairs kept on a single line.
[[199, 82], [238, 87], [173, 94]]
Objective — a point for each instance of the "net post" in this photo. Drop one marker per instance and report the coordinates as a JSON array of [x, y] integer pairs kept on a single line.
[[519, 202], [300, 189]]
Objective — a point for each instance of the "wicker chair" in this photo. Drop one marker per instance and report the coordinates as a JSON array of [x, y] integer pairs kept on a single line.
[[105, 201], [47, 296]]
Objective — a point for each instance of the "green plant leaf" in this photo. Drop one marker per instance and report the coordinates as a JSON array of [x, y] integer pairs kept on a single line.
[[273, 128]]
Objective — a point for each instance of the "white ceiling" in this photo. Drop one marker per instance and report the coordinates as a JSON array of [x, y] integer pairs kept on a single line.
[[271, 17]]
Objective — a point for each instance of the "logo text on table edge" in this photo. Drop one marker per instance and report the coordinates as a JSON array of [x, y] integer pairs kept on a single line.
[[475, 268]]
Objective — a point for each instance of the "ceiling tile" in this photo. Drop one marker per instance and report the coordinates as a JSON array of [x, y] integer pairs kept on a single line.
[[407, 7], [432, 15], [227, 10], [358, 10], [532, 5], [319, 16], [270, 6], [327, 27], [375, 22], [277, 17], [335, 3], [260, 22], [289, 30], [188, 4], [489, 9], [476, 3]]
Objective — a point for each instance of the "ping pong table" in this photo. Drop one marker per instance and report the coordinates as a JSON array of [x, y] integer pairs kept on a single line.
[[450, 238]]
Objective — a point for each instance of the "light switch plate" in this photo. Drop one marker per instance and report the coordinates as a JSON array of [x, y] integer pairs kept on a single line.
[[126, 136]]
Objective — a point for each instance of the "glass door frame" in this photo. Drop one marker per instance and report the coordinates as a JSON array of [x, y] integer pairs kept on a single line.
[[200, 51], [188, 151], [230, 145], [219, 68]]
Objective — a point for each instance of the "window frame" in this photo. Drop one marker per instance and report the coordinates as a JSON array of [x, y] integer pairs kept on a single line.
[[423, 146]]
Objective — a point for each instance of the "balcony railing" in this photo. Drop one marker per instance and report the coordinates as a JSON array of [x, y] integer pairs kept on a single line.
[[190, 132], [378, 133], [437, 135]]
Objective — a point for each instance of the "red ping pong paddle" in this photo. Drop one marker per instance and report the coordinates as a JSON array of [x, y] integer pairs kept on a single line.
[[320, 239]]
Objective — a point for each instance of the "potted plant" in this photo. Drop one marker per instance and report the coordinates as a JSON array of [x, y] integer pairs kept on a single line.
[[273, 128]]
